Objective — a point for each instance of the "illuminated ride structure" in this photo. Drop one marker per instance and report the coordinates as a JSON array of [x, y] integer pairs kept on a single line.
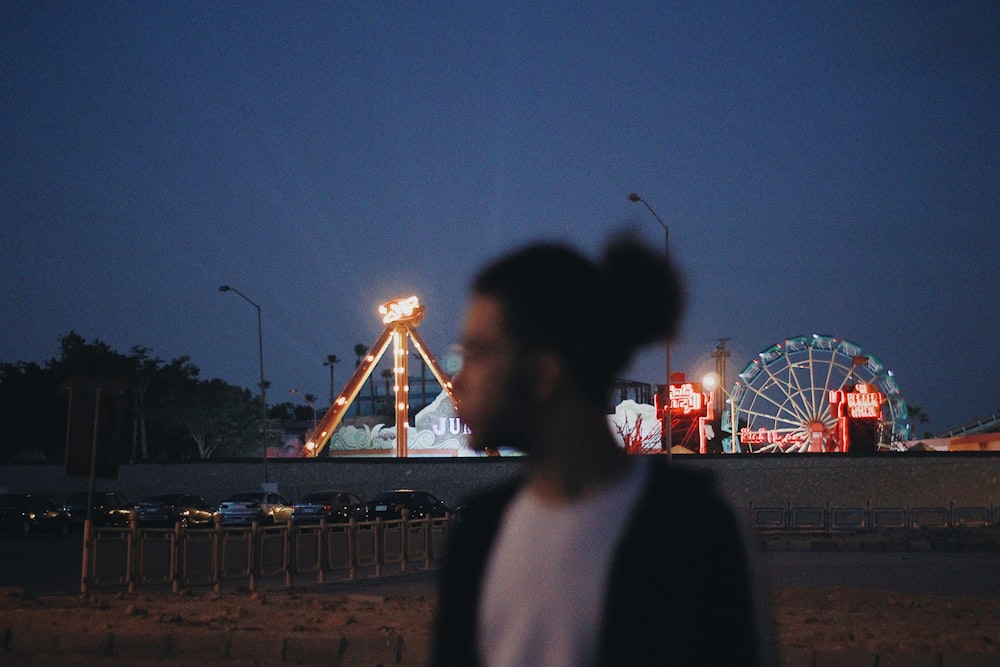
[[815, 394], [401, 318]]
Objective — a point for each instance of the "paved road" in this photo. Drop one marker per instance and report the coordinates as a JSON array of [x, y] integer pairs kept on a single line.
[[51, 565], [909, 572]]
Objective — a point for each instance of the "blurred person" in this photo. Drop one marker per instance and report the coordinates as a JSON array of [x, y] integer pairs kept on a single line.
[[592, 556]]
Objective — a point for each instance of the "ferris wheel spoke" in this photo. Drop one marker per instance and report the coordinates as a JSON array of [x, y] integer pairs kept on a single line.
[[775, 420], [778, 409], [788, 392]]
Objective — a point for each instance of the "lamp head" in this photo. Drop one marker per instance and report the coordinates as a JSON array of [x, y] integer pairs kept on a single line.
[[224, 288], [634, 197]]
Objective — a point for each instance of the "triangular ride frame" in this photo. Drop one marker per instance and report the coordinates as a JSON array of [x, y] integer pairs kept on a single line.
[[401, 318]]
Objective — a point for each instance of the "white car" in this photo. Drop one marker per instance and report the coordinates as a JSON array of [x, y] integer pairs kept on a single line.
[[264, 507]]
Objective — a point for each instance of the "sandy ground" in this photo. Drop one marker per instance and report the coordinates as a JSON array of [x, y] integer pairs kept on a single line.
[[814, 618]]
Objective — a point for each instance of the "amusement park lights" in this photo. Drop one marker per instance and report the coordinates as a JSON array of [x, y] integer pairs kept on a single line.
[[400, 317]]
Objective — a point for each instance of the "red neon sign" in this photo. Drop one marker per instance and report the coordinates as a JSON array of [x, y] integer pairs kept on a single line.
[[686, 399], [862, 403]]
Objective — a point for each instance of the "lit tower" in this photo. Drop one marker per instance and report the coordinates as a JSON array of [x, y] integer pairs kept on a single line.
[[720, 354], [401, 318]]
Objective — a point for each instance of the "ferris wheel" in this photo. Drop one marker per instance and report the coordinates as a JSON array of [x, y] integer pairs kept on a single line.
[[781, 400]]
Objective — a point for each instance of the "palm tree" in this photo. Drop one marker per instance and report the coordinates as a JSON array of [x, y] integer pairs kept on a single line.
[[918, 416], [332, 359]]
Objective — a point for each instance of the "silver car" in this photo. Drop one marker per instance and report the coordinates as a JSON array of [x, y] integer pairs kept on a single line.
[[264, 507]]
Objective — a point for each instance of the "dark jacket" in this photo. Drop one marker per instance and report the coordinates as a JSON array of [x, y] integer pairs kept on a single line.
[[679, 591]]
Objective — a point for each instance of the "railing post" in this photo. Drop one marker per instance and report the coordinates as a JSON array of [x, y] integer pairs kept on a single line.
[[289, 535], [429, 541], [323, 554], [87, 555], [404, 539], [252, 554], [217, 552], [133, 563], [175, 558], [379, 533], [352, 548]]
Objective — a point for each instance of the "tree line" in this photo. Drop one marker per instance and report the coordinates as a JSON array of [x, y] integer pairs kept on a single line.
[[171, 413]]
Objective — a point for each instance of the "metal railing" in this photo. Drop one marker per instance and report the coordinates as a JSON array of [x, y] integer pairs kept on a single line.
[[180, 558], [828, 518]]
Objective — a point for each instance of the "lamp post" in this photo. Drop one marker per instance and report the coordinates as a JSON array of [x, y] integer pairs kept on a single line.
[[666, 439], [263, 399]]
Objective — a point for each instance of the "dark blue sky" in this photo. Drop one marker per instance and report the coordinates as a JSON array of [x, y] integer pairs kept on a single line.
[[826, 168]]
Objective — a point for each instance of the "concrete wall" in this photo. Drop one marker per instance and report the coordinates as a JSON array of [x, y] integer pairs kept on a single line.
[[886, 480]]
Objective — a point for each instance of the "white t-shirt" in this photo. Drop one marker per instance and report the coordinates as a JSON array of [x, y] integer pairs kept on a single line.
[[545, 581]]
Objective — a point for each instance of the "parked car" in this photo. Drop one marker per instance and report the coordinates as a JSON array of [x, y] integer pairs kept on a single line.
[[264, 507], [334, 506], [167, 509], [109, 508], [27, 513], [390, 504]]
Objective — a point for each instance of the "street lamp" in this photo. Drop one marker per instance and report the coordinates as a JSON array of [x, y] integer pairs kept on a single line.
[[712, 383], [666, 439], [263, 399]]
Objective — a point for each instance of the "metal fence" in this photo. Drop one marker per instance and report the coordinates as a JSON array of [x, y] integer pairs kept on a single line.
[[179, 558], [867, 517]]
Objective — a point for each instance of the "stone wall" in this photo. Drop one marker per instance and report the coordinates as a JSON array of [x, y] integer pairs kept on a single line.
[[929, 479]]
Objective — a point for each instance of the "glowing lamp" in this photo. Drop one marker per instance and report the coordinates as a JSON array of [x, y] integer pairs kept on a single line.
[[402, 310]]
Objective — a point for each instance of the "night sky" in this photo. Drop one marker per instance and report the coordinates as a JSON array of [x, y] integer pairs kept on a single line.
[[828, 168]]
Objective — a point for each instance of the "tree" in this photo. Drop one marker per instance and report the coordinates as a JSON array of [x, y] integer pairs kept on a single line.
[[162, 407], [918, 416], [170, 386], [145, 368], [223, 419], [33, 413]]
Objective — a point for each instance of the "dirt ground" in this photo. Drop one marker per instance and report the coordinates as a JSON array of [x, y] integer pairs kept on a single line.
[[816, 618]]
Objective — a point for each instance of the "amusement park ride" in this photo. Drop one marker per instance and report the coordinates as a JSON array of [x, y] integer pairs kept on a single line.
[[401, 318], [806, 394]]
